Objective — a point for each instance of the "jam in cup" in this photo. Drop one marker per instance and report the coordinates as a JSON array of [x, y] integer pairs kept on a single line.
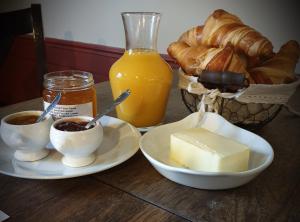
[[78, 144], [21, 132]]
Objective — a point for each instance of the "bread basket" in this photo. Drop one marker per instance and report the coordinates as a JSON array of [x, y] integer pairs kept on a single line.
[[251, 108]]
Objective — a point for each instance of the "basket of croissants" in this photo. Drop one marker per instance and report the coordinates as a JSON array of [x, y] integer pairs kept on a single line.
[[229, 68]]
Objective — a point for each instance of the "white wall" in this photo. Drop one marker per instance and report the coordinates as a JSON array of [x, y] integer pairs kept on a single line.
[[99, 21]]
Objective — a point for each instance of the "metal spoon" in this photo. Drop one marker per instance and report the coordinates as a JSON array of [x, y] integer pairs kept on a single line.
[[50, 107], [116, 102]]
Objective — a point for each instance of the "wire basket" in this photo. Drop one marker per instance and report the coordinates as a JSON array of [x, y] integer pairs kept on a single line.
[[251, 116]]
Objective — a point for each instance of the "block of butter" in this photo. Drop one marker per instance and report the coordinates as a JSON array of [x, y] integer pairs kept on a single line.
[[200, 149]]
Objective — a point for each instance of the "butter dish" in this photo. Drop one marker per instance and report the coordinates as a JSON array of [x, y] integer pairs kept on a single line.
[[155, 145]]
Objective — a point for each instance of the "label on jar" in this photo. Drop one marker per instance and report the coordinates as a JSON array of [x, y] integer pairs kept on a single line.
[[59, 111]]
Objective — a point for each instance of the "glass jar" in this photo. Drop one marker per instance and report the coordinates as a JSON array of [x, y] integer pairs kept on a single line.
[[78, 93], [142, 70]]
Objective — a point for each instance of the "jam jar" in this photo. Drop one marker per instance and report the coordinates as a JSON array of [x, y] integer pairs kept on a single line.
[[78, 93]]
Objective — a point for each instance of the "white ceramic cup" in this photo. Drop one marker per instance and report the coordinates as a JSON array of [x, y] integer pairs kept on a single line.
[[29, 140], [78, 147]]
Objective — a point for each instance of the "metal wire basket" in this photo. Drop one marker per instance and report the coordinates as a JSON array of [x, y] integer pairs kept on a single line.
[[251, 116]]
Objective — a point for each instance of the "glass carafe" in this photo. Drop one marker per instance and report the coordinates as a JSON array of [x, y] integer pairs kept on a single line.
[[143, 71]]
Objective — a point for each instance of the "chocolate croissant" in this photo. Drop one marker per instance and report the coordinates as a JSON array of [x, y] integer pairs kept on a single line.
[[280, 68], [194, 60], [192, 37], [222, 28]]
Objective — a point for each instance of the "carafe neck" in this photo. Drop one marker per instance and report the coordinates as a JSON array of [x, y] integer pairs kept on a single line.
[[141, 30]]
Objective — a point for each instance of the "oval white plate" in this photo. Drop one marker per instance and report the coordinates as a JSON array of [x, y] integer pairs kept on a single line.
[[120, 142], [155, 146]]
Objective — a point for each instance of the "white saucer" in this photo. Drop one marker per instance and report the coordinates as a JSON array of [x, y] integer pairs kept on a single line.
[[121, 141]]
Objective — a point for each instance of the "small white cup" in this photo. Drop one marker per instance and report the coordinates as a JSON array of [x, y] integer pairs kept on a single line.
[[29, 140], [78, 147]]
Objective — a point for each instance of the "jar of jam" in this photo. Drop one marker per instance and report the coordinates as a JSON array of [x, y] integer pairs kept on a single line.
[[78, 93]]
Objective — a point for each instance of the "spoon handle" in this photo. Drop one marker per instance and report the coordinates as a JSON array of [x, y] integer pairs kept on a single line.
[[50, 107], [116, 102]]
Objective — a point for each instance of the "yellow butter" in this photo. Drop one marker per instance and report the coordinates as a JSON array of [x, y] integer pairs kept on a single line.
[[200, 149]]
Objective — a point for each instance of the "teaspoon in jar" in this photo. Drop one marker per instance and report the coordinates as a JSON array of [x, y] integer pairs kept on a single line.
[[50, 107]]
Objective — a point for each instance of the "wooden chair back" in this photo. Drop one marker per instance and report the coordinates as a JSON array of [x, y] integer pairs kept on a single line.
[[13, 24]]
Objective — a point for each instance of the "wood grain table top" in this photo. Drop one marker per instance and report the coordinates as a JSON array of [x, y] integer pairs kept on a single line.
[[135, 191]]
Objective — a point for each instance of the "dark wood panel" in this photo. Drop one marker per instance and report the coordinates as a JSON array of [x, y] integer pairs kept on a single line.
[[96, 59], [63, 54], [21, 196], [18, 81], [20, 66], [79, 199]]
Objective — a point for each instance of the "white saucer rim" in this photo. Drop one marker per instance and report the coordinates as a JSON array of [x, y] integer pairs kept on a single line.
[[133, 150]]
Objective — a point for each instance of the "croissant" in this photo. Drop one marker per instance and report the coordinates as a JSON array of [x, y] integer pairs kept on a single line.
[[192, 37], [280, 68], [222, 28], [193, 60]]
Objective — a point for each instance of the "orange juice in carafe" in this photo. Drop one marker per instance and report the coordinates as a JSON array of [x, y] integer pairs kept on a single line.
[[149, 78], [143, 71]]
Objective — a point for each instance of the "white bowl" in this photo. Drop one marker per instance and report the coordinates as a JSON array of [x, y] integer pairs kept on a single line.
[[155, 146], [77, 146], [28, 140]]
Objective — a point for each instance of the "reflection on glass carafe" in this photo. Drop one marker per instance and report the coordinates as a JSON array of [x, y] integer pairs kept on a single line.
[[143, 71]]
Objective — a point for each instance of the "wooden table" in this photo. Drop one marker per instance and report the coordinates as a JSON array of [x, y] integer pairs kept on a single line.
[[135, 191]]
